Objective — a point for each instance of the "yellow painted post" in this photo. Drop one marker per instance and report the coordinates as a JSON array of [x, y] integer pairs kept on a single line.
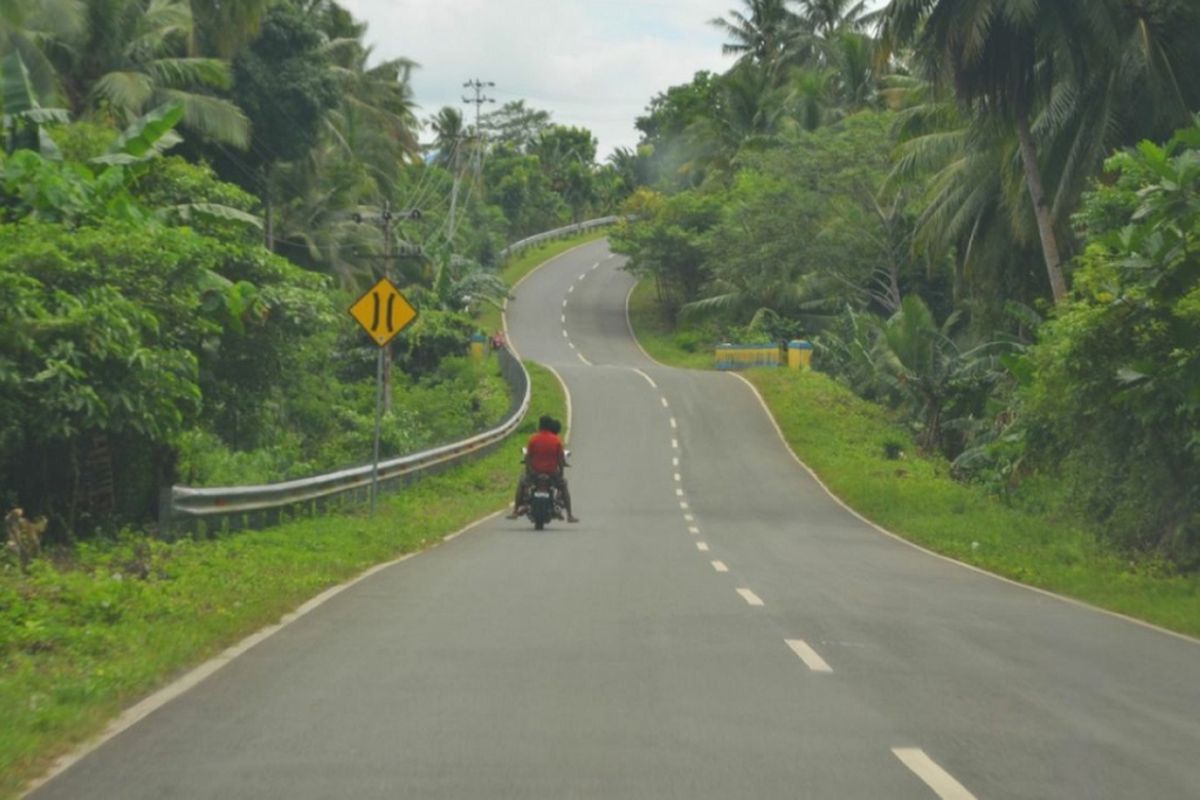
[[478, 346]]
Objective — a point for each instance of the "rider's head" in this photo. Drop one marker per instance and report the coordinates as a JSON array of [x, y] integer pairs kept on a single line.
[[546, 423], [555, 427]]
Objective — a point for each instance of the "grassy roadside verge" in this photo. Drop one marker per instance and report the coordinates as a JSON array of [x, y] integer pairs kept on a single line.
[[843, 438], [658, 336], [522, 265], [79, 641]]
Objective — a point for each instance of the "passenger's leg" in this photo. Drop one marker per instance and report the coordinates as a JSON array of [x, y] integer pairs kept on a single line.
[[566, 496], [519, 500]]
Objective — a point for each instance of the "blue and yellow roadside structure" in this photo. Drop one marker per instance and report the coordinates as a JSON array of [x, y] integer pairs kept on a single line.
[[796, 354], [478, 346]]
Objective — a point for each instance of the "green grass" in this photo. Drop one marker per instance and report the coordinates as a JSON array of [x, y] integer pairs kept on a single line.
[[658, 336], [845, 439], [526, 262], [83, 638]]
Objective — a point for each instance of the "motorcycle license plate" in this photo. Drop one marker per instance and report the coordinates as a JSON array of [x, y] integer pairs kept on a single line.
[[542, 495]]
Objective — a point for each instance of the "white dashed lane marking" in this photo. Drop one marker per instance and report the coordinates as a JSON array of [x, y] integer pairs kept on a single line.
[[664, 402], [943, 783], [719, 566], [689, 517], [702, 547], [809, 656], [571, 289], [750, 597], [675, 443], [674, 424], [683, 504], [584, 360], [678, 477], [693, 529]]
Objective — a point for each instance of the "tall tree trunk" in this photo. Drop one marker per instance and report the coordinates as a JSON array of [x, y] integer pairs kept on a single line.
[[1037, 193]]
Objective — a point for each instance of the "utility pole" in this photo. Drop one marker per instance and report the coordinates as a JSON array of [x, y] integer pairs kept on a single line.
[[479, 99], [384, 220]]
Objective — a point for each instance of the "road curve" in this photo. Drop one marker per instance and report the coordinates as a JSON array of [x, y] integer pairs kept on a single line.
[[717, 626]]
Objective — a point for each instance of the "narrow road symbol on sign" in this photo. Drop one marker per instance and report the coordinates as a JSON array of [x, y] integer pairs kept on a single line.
[[383, 312]]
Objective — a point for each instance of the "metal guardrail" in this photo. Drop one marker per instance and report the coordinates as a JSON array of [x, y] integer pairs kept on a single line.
[[557, 233], [238, 507]]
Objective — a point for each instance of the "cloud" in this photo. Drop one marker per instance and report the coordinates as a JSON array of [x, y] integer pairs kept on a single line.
[[595, 64]]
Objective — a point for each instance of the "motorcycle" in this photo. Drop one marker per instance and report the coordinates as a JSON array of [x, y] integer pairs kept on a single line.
[[543, 501]]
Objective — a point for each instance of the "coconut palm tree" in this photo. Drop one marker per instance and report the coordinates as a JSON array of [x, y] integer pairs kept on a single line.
[[762, 36], [826, 18], [134, 55], [999, 55], [447, 126], [1059, 86], [41, 32]]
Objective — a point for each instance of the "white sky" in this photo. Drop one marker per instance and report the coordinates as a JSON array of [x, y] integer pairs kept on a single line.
[[594, 63]]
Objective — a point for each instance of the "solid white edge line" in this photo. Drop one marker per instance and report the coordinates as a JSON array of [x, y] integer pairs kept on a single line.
[[943, 783], [567, 394], [980, 570], [649, 380], [810, 657], [197, 675], [702, 547], [750, 597], [719, 566]]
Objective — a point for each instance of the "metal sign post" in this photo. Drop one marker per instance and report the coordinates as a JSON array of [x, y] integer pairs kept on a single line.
[[378, 425], [382, 312]]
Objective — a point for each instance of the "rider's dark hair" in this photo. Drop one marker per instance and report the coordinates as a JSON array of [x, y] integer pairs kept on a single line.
[[546, 423], [555, 427]]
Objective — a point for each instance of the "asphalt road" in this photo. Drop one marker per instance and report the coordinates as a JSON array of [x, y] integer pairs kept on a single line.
[[717, 626]]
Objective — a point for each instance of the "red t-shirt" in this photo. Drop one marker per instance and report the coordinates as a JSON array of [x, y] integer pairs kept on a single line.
[[544, 451]]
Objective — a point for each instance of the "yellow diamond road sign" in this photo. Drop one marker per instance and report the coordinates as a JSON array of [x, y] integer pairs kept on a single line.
[[383, 312]]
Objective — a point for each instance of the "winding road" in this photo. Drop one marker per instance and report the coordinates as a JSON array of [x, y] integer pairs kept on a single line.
[[716, 627]]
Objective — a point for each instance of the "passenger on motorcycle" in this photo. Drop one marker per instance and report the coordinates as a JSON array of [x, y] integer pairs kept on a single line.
[[544, 454]]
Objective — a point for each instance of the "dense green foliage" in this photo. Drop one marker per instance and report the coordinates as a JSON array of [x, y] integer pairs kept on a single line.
[[190, 196], [924, 192]]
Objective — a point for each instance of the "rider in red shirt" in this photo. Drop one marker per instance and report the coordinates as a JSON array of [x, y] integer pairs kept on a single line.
[[544, 454]]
